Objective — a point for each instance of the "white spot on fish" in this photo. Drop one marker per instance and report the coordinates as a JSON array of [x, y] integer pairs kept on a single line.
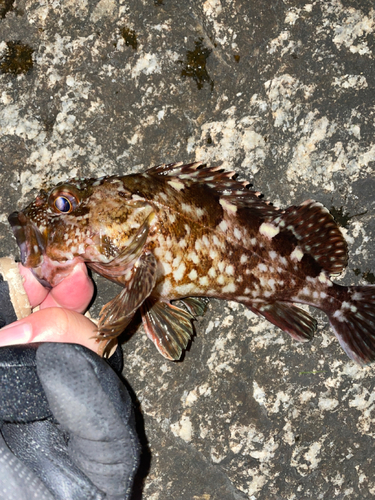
[[228, 206], [323, 279], [193, 275], [221, 279], [168, 256], [268, 230], [179, 273], [176, 261], [221, 266], [167, 268], [212, 272], [223, 225], [272, 254], [177, 185], [206, 241], [297, 254], [189, 288], [203, 281], [237, 233], [262, 267], [229, 288], [187, 208], [345, 305], [216, 240], [230, 270], [200, 212], [339, 315], [194, 257], [213, 254], [243, 258], [253, 241]]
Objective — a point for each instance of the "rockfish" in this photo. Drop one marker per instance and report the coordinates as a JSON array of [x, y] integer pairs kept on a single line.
[[188, 232]]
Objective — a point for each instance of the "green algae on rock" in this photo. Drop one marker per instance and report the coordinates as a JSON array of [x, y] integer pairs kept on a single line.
[[18, 59]]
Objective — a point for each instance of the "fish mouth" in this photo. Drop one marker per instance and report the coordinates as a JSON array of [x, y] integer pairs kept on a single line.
[[29, 239]]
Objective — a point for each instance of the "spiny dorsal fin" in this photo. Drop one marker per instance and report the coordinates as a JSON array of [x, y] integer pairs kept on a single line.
[[223, 182], [220, 179], [317, 234]]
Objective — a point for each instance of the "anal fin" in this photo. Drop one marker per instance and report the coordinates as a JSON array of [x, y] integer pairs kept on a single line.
[[169, 327], [291, 319]]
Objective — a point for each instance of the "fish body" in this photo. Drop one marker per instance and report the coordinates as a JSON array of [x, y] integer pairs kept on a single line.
[[187, 232]]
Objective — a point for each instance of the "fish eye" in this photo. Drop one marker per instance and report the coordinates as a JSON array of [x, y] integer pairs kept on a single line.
[[63, 205], [64, 199]]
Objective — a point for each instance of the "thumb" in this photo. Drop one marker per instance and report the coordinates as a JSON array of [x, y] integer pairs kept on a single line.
[[53, 324]]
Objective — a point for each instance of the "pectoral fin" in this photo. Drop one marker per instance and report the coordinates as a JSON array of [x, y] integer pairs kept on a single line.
[[169, 327], [117, 314], [117, 268]]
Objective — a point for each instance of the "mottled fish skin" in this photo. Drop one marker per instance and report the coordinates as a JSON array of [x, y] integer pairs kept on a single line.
[[179, 231]]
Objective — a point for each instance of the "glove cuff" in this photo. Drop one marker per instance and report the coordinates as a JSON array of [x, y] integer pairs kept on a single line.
[[10, 273]]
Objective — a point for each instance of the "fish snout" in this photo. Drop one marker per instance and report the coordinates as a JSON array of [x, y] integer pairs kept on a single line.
[[29, 239]]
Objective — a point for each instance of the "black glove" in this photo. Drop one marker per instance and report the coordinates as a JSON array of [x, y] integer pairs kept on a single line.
[[67, 425]]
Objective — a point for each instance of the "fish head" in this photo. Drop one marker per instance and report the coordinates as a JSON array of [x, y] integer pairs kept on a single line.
[[81, 220]]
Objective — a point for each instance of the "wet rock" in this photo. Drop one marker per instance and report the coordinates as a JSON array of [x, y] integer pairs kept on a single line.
[[285, 96]]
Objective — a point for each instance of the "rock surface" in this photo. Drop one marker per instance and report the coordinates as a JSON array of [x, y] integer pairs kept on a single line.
[[281, 92]]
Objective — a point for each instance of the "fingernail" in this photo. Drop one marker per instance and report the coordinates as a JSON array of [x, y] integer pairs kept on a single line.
[[16, 334], [79, 267]]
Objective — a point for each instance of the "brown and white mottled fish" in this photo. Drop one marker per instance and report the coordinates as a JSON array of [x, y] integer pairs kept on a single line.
[[185, 232]]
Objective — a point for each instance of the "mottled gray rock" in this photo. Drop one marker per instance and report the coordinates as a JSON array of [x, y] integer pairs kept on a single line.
[[281, 92]]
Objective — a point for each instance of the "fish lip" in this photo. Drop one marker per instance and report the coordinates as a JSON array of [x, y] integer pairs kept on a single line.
[[29, 239]]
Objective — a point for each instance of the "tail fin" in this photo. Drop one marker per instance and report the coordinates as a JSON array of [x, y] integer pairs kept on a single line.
[[354, 323]]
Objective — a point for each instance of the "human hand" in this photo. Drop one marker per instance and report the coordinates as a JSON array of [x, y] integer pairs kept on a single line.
[[67, 426], [60, 316]]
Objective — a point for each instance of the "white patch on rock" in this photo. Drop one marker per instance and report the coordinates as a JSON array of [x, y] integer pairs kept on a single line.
[[146, 64], [183, 429], [355, 25]]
